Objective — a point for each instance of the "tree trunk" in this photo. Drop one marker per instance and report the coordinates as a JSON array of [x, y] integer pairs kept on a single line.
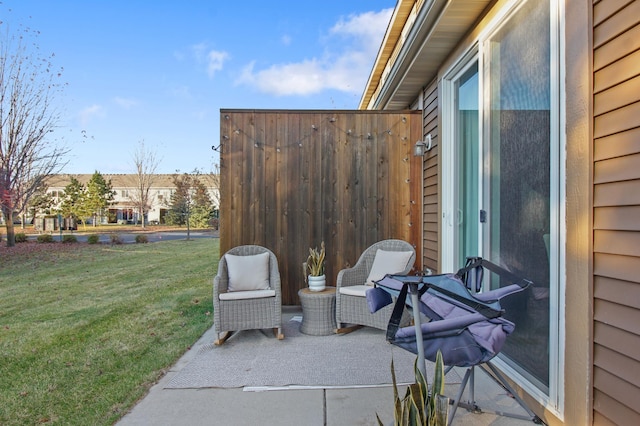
[[142, 216], [11, 235]]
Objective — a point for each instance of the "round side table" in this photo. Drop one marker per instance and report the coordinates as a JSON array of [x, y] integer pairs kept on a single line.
[[318, 311]]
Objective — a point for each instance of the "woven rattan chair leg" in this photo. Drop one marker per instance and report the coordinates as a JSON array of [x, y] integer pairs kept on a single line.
[[220, 340], [278, 333], [345, 330]]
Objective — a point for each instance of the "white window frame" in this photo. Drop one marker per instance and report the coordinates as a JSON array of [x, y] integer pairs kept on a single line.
[[449, 213]]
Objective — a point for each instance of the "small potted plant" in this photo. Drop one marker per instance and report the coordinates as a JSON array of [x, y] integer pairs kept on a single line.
[[315, 268]]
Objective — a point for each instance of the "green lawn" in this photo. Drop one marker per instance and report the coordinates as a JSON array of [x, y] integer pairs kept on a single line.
[[85, 330]]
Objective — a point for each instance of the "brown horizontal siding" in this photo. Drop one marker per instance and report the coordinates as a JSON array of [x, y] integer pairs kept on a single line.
[[617, 169], [617, 194], [624, 317], [618, 47], [431, 245], [621, 366], [624, 218], [431, 181], [617, 145], [430, 208], [616, 211], [602, 10], [614, 266], [619, 340], [616, 373], [617, 291], [617, 242], [619, 120], [625, 393], [616, 73], [430, 187], [620, 414], [431, 227], [617, 96], [618, 22]]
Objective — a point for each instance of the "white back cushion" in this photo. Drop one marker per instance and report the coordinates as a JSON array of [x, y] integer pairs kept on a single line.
[[388, 262], [247, 273]]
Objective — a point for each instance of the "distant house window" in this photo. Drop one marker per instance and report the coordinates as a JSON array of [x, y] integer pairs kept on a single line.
[[124, 193], [160, 197]]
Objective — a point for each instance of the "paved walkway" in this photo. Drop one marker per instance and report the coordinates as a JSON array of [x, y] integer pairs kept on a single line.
[[340, 407]]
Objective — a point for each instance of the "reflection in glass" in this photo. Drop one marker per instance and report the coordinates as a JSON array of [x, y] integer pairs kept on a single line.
[[519, 178]]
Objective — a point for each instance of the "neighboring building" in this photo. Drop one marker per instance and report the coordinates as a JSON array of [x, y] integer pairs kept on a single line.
[[122, 209], [532, 108]]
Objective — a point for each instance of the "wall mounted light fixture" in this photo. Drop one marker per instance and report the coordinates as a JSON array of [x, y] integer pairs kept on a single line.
[[422, 147]]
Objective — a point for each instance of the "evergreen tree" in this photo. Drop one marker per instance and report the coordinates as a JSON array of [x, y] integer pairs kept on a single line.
[[202, 206], [98, 196], [72, 205], [180, 201], [190, 203], [41, 202]]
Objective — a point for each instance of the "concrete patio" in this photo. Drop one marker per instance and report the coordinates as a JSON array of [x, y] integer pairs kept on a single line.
[[356, 406]]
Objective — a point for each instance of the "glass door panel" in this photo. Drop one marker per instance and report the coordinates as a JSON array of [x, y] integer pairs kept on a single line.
[[467, 148], [517, 186]]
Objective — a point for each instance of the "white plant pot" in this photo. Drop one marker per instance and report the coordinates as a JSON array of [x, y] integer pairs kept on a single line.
[[317, 283]]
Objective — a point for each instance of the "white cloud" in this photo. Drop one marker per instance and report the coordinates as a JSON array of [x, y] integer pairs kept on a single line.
[[345, 66], [125, 103], [89, 113], [213, 59], [302, 78], [368, 26]]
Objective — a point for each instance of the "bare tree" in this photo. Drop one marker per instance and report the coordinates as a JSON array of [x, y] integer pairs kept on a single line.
[[28, 117], [146, 163]]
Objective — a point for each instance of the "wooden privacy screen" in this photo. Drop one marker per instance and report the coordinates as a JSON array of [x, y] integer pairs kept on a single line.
[[292, 179]]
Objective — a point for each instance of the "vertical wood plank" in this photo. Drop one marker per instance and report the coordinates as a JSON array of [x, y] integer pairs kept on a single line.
[[270, 184], [280, 245]]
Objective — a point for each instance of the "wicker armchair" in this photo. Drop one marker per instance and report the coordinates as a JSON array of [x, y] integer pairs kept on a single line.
[[352, 310], [246, 310]]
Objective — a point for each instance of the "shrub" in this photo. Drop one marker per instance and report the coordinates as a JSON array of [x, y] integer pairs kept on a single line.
[[141, 239], [93, 239], [45, 238], [115, 239], [21, 237], [68, 239]]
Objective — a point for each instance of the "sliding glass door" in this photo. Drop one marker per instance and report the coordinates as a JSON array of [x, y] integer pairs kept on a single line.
[[501, 178]]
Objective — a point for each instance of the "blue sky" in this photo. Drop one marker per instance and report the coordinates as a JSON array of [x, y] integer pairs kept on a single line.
[[160, 71]]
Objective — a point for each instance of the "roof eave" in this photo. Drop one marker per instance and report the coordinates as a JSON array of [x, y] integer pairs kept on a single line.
[[438, 28]]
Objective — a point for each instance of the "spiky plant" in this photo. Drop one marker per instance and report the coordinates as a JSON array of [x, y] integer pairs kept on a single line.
[[420, 407], [315, 261]]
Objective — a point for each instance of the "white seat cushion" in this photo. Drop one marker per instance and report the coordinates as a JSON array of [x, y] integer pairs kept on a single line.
[[248, 273], [355, 290], [251, 294], [388, 262]]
